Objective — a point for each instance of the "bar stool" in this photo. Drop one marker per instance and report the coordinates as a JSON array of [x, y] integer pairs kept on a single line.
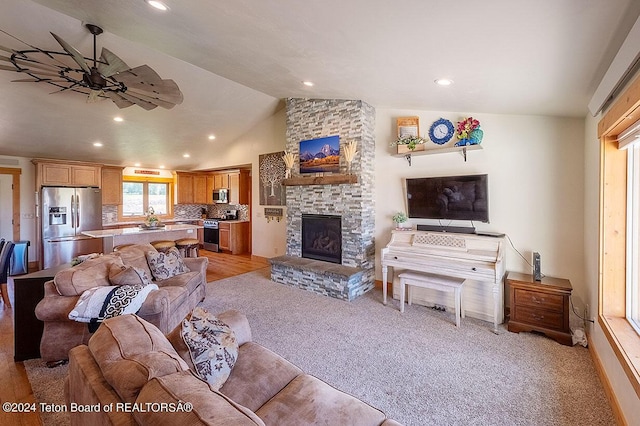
[[188, 247], [163, 245]]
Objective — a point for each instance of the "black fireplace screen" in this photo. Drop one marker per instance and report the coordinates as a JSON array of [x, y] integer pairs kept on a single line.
[[322, 237]]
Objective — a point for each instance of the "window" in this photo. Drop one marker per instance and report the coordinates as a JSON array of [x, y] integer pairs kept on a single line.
[[137, 197], [633, 236], [619, 233]]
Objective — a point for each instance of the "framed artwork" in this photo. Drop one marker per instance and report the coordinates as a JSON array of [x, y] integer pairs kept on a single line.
[[320, 155], [271, 171], [408, 126]]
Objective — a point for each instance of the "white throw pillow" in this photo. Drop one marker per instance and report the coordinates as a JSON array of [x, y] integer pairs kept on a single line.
[[166, 265], [212, 345], [100, 303]]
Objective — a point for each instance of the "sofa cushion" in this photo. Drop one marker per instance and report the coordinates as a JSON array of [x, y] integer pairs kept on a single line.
[[309, 401], [100, 303], [189, 280], [130, 352], [134, 255], [88, 274], [167, 264], [207, 407], [258, 375], [212, 346], [131, 275]]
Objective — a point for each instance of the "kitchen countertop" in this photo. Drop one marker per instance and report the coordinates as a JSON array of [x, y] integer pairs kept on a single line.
[[138, 222], [102, 233]]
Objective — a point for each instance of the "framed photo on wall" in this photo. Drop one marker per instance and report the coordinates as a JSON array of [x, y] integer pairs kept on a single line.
[[408, 126]]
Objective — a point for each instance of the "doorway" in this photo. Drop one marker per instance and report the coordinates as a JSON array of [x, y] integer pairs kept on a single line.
[[10, 203]]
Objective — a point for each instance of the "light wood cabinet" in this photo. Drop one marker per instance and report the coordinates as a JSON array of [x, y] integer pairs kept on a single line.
[[220, 180], [200, 189], [239, 187], [234, 237], [192, 188], [52, 173], [111, 185], [185, 188]]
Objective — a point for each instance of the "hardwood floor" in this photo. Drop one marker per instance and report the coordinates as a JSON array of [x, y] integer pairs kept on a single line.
[[14, 385]]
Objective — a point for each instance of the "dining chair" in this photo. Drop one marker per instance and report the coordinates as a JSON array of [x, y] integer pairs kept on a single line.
[[5, 261]]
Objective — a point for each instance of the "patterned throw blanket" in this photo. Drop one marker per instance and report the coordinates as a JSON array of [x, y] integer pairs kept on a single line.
[[99, 303]]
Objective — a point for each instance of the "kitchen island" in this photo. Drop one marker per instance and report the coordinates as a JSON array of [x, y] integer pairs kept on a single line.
[[136, 235]]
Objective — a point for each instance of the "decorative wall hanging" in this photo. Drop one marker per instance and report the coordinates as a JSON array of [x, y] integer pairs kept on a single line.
[[321, 155], [272, 213], [272, 169], [408, 126]]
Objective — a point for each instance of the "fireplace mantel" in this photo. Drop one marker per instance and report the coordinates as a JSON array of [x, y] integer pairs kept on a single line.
[[320, 180]]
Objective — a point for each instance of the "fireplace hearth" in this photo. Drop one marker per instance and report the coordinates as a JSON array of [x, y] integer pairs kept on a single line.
[[322, 237]]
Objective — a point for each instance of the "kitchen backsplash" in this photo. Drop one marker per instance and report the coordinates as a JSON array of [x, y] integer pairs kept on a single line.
[[185, 211]]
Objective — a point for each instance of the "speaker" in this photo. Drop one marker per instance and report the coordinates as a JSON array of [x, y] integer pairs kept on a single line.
[[537, 275]]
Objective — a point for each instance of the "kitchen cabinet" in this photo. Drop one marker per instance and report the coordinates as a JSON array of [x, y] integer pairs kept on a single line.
[[239, 187], [220, 180], [233, 237], [53, 173], [200, 189], [111, 185], [192, 188]]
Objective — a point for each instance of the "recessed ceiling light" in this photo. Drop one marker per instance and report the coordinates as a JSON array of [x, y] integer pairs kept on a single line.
[[186, 155], [118, 119], [162, 166], [157, 5], [308, 83], [444, 82], [212, 137], [97, 144], [136, 164]]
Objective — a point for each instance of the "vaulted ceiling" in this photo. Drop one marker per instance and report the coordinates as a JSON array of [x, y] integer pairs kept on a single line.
[[236, 60]]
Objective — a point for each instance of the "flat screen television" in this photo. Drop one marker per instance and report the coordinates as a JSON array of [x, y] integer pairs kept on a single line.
[[448, 197]]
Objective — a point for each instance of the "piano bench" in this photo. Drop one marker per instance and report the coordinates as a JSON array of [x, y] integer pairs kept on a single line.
[[435, 282]]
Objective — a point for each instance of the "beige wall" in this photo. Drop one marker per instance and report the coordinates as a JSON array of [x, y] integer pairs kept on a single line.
[[535, 167]]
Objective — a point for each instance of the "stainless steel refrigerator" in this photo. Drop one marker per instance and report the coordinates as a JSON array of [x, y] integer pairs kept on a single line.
[[65, 213]]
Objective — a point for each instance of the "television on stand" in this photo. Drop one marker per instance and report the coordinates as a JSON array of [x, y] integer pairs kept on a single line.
[[448, 198]]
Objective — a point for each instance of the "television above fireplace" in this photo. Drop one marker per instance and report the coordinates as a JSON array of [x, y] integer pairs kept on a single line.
[[448, 197]]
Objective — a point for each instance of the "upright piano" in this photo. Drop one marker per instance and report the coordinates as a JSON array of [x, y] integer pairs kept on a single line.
[[478, 259]]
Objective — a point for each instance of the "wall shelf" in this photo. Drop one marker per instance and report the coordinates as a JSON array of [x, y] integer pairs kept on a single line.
[[320, 180], [461, 149]]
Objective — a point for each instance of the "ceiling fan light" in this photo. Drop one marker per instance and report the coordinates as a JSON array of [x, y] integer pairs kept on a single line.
[[157, 5]]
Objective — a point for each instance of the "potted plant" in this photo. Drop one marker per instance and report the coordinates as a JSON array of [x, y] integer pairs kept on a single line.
[[399, 218], [409, 143], [469, 132]]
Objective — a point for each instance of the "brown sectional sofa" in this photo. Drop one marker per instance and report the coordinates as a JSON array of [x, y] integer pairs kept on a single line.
[[129, 361], [165, 307]]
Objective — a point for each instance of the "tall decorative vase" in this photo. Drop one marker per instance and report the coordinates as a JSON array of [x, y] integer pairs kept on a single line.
[[475, 137]]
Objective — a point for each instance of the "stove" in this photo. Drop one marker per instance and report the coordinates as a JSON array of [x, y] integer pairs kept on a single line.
[[211, 237]]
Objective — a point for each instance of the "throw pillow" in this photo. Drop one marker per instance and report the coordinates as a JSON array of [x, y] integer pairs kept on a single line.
[[100, 303], [166, 265], [212, 345], [121, 275]]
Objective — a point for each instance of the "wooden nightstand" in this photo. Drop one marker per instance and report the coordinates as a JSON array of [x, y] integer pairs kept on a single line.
[[541, 306]]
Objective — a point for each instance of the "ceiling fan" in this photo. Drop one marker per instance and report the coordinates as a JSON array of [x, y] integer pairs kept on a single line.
[[106, 78]]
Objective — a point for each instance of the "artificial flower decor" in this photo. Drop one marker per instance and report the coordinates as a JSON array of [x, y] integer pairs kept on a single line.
[[468, 131]]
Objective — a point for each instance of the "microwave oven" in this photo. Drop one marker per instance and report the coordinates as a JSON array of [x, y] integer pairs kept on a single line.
[[221, 195]]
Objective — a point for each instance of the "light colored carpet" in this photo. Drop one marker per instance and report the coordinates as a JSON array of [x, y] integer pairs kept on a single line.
[[417, 367], [48, 387]]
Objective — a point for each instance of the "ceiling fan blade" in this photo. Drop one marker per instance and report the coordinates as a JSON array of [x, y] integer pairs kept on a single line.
[[166, 90], [77, 56], [6, 49], [142, 77], [7, 68], [38, 80], [94, 96], [31, 64], [138, 101], [151, 99], [114, 65], [35, 73], [119, 100]]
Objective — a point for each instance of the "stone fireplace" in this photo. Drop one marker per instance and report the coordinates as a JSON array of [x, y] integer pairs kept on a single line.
[[352, 203], [322, 237]]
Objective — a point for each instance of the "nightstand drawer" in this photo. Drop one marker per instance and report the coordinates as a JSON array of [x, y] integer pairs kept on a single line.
[[538, 317], [554, 302]]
